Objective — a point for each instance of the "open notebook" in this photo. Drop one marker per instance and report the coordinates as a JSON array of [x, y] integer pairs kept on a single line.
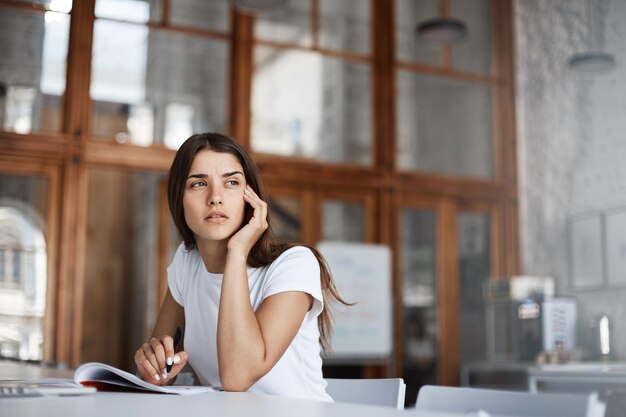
[[108, 378], [89, 377]]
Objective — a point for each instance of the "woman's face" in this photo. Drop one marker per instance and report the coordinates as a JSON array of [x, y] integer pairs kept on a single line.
[[213, 197]]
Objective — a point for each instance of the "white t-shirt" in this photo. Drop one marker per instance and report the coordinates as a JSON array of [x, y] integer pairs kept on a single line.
[[298, 373]]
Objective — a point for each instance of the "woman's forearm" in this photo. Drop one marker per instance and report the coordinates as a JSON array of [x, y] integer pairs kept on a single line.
[[240, 345]]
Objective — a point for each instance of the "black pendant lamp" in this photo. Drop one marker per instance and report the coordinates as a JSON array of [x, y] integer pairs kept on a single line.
[[441, 30], [593, 60]]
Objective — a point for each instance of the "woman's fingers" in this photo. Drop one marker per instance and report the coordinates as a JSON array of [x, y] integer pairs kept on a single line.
[[148, 373], [259, 206], [153, 357], [179, 362], [246, 237], [159, 354], [147, 364]]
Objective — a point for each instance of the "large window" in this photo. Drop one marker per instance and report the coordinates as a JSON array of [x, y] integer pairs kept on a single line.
[[311, 91], [155, 86], [32, 62], [445, 91]]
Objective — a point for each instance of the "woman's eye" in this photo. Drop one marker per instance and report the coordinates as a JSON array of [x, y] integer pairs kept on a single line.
[[232, 183], [198, 184]]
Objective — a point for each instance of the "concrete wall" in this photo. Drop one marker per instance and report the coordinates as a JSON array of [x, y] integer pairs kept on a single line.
[[571, 144]]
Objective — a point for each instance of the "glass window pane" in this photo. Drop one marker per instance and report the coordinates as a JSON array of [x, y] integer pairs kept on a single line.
[[408, 14], [343, 221], [438, 116], [474, 269], [32, 69], [419, 288], [23, 264], [206, 14], [291, 23], [182, 90], [345, 25], [304, 104], [121, 263], [139, 11], [285, 218], [474, 53], [418, 258]]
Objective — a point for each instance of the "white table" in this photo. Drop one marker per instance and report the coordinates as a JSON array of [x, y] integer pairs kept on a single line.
[[218, 404], [215, 404], [17, 370], [578, 377]]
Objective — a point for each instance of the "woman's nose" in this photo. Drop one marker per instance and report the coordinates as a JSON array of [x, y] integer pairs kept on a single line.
[[215, 198], [214, 201]]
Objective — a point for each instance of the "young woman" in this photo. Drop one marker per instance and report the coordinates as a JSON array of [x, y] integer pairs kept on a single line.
[[251, 309]]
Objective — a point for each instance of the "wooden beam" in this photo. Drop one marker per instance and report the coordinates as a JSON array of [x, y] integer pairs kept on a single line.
[[504, 53], [190, 31], [77, 103], [315, 23], [389, 233], [448, 73], [113, 154], [241, 73], [71, 260], [73, 213], [448, 294], [332, 53], [383, 80], [35, 146]]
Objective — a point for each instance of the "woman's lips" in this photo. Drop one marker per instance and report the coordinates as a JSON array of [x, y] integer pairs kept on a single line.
[[216, 218]]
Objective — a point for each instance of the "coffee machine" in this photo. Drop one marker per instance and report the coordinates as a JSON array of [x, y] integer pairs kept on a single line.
[[514, 307]]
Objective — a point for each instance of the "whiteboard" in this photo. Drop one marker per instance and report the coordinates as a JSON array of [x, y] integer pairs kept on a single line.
[[362, 275]]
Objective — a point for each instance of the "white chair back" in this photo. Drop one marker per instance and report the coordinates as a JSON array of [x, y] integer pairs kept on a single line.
[[486, 402], [387, 392]]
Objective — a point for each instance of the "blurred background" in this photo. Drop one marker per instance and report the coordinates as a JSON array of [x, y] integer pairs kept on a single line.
[[480, 140]]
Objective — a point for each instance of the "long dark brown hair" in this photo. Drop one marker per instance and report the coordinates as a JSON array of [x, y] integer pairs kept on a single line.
[[267, 248]]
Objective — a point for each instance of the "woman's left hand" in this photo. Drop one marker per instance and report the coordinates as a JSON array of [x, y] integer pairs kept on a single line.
[[243, 241]]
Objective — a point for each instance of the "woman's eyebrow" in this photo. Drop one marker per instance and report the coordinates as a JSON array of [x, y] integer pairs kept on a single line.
[[197, 176], [225, 175], [230, 174]]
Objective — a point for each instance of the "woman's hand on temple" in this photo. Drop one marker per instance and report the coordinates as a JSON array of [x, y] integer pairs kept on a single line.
[[243, 241], [153, 357]]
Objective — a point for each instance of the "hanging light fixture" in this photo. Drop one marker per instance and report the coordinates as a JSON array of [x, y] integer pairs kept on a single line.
[[594, 59], [441, 30], [256, 6]]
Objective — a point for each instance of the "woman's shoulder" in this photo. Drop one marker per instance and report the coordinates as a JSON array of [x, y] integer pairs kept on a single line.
[[295, 256], [296, 252], [295, 269]]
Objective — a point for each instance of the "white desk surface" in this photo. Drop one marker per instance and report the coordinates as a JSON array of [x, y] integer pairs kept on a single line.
[[216, 404], [17, 370], [582, 369]]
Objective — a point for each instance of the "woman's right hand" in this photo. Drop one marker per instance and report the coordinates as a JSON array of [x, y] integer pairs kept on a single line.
[[153, 357]]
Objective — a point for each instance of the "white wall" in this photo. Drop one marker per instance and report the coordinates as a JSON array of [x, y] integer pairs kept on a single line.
[[571, 143]]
